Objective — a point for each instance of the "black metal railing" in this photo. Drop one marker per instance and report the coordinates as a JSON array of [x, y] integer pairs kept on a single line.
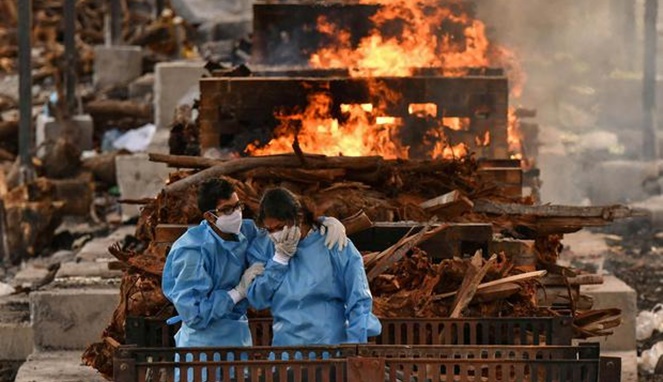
[[148, 332], [354, 363]]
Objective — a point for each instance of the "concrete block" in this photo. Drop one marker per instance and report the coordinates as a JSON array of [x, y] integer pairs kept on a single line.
[[142, 87], [116, 65], [14, 309], [17, 341], [57, 366], [71, 319], [619, 181], [137, 178], [172, 81], [49, 130], [87, 269], [614, 293]]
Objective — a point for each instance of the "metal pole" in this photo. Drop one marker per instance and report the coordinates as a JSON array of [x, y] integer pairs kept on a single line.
[[25, 88], [650, 144], [116, 22], [70, 54]]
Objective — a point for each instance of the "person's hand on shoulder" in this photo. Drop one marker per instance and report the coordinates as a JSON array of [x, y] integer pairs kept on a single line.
[[334, 233]]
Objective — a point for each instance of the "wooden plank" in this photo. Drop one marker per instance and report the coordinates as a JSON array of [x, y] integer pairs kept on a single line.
[[457, 96], [448, 206], [505, 280], [603, 213]]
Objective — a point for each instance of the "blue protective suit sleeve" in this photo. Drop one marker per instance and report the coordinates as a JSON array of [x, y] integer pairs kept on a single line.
[[262, 288], [358, 299], [189, 286]]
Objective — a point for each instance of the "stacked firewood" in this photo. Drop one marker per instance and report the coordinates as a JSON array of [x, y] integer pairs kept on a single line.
[[63, 184], [138, 22], [405, 281], [108, 107]]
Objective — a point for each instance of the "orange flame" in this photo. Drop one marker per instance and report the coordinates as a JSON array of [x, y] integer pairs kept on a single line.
[[367, 129], [514, 135], [363, 133], [417, 46], [422, 109]]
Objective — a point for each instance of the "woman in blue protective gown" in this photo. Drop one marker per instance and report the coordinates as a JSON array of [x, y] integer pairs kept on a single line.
[[317, 295]]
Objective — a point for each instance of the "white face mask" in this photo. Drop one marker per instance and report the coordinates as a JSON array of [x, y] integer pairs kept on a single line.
[[276, 236], [230, 223]]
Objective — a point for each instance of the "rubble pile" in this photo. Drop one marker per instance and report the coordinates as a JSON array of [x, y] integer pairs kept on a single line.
[[69, 178]]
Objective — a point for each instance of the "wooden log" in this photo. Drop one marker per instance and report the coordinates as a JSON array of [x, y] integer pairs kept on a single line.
[[77, 194], [184, 161], [244, 164], [6, 156], [596, 323], [7, 102], [294, 174], [113, 109], [559, 280], [62, 159], [103, 167], [8, 130], [30, 227]]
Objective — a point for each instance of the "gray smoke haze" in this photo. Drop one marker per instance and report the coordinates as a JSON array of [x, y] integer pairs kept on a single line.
[[583, 62]]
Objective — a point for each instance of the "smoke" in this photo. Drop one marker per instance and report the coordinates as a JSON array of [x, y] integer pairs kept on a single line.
[[583, 65]]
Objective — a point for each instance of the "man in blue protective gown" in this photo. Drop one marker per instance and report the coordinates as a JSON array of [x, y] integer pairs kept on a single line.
[[317, 295], [207, 273]]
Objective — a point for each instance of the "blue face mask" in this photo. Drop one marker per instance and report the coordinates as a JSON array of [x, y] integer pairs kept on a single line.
[[230, 223]]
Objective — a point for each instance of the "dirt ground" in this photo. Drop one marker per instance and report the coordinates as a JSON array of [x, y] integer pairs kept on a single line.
[[636, 257]]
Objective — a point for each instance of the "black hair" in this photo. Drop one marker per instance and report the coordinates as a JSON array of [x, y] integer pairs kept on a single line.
[[281, 204], [213, 190]]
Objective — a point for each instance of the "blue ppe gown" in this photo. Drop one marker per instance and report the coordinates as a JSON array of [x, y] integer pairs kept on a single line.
[[321, 297], [200, 269]]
